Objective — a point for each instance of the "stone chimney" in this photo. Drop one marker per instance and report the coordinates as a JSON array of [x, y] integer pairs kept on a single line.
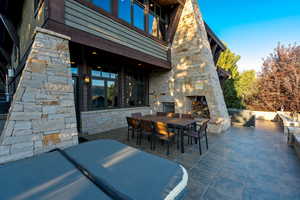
[[42, 114], [193, 71]]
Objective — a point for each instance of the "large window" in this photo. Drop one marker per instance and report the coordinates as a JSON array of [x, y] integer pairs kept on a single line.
[[104, 4], [135, 89], [124, 8], [104, 88], [138, 15], [134, 13]]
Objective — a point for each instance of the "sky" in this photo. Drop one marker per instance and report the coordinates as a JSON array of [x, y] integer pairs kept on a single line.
[[253, 28]]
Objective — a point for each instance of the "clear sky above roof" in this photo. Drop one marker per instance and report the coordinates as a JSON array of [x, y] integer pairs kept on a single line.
[[253, 28]]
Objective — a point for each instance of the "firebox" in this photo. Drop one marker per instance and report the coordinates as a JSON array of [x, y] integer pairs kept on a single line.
[[169, 107], [200, 107]]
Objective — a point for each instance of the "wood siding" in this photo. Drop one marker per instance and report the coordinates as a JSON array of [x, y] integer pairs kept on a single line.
[[80, 17]]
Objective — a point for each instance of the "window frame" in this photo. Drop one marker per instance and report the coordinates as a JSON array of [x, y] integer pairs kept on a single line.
[[37, 4], [114, 14]]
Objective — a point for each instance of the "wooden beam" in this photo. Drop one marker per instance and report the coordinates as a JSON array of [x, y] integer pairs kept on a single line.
[[56, 10], [10, 29], [212, 35], [174, 23]]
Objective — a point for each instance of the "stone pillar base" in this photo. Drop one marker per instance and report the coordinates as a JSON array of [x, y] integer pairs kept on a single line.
[[42, 114], [219, 127]]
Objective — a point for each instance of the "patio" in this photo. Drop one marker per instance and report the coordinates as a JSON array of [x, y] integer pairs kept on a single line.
[[243, 163]]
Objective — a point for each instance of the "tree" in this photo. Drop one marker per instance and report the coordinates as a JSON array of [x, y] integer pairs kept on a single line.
[[246, 85], [228, 61], [279, 80]]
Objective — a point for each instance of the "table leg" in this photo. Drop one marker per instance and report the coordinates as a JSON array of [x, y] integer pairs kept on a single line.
[[182, 142]]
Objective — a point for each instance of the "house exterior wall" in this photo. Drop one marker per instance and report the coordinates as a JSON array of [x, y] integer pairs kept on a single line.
[[93, 122], [83, 18]]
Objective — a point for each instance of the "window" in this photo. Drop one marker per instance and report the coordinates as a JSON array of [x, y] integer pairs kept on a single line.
[[138, 16], [125, 10], [104, 88], [104, 4], [37, 4], [153, 25], [135, 89]]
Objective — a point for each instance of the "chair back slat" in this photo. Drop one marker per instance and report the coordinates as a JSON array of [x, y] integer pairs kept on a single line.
[[173, 115], [203, 127], [187, 116], [161, 128], [146, 125], [134, 123], [161, 114]]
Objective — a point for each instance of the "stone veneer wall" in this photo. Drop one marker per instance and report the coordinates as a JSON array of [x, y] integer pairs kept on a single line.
[[93, 122], [42, 114], [193, 72]]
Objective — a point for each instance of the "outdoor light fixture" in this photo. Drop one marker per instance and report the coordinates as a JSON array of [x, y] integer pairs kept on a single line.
[[139, 64], [94, 53], [86, 79], [73, 63]]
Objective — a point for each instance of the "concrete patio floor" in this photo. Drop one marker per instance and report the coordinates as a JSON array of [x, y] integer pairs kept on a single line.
[[243, 163]]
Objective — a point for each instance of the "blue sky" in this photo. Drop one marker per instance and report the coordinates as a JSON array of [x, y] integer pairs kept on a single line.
[[253, 28]]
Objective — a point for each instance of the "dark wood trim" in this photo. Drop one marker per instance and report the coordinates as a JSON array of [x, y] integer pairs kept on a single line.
[[174, 23], [115, 7], [88, 39], [56, 10], [213, 36], [115, 18], [10, 29]]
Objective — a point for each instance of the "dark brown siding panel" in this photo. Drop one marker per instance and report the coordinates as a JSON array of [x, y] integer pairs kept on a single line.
[[57, 10]]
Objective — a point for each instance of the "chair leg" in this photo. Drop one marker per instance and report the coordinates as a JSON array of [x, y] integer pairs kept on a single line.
[[200, 149], [206, 140], [168, 148], [137, 138], [132, 136], [128, 134]]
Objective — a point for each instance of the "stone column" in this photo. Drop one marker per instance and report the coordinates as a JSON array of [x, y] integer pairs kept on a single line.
[[193, 72], [42, 114], [194, 69]]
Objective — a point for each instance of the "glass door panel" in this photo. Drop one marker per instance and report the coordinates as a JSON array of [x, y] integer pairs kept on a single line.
[[98, 93]]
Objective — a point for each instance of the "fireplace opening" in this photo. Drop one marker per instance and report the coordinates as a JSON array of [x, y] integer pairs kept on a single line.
[[200, 107], [169, 107]]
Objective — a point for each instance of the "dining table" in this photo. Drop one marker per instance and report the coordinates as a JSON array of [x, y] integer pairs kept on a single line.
[[180, 124]]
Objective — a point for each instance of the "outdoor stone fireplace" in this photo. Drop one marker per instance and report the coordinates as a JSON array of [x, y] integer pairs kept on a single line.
[[193, 73]]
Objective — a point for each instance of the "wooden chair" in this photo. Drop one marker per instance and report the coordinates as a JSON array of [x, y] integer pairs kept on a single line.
[[146, 129], [136, 114], [161, 114], [173, 115], [133, 125], [187, 116], [162, 132], [198, 134]]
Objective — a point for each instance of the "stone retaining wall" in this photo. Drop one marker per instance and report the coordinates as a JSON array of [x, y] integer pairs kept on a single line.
[[242, 117], [42, 114], [93, 122]]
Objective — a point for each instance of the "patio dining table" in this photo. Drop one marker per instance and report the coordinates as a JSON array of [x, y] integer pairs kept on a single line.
[[178, 123]]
